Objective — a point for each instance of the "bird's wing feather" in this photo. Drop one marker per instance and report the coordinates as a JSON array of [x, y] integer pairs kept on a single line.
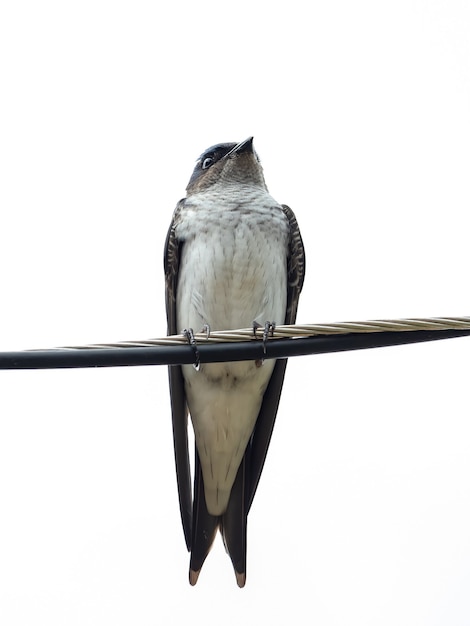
[[267, 415], [204, 525], [295, 266], [233, 522], [172, 255]]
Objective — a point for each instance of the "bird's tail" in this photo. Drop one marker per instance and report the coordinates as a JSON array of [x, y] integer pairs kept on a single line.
[[204, 526], [232, 524]]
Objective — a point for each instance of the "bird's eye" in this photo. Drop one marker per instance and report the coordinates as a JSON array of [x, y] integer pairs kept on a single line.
[[207, 162]]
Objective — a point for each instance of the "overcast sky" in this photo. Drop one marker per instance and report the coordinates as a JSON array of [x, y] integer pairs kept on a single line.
[[360, 114]]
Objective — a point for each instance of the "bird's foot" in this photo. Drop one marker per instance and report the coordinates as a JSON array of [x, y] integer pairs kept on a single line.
[[268, 330], [189, 334]]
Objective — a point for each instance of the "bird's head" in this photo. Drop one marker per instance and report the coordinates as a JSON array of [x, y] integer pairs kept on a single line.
[[227, 164]]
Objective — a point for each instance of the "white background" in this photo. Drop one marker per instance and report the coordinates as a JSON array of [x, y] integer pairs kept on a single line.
[[360, 113]]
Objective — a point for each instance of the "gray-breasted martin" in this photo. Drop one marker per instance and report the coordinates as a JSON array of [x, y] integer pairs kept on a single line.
[[233, 258]]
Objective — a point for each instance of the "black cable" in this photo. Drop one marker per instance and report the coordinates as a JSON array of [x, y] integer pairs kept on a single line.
[[217, 352]]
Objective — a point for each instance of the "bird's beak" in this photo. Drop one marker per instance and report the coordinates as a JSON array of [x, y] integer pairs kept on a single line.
[[240, 148]]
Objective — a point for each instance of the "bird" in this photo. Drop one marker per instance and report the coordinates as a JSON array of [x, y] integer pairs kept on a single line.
[[233, 258]]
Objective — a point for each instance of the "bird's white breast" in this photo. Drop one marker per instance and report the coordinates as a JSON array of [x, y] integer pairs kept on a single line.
[[233, 271]]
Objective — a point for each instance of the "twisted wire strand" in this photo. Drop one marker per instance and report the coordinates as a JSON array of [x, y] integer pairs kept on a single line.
[[294, 331]]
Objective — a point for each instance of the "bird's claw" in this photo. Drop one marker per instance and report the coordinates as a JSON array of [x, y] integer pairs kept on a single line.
[[189, 334], [268, 329], [206, 329]]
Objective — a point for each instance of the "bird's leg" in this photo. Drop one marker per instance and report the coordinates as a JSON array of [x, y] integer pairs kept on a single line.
[[189, 334], [269, 328]]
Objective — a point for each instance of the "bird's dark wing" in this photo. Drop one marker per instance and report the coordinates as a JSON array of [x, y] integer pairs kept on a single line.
[[233, 522], [204, 526], [295, 266], [179, 409], [261, 437]]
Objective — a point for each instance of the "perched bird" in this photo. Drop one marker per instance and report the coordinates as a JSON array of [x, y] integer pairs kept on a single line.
[[234, 258]]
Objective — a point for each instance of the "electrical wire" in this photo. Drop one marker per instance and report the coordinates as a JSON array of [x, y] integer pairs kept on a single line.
[[244, 344]]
